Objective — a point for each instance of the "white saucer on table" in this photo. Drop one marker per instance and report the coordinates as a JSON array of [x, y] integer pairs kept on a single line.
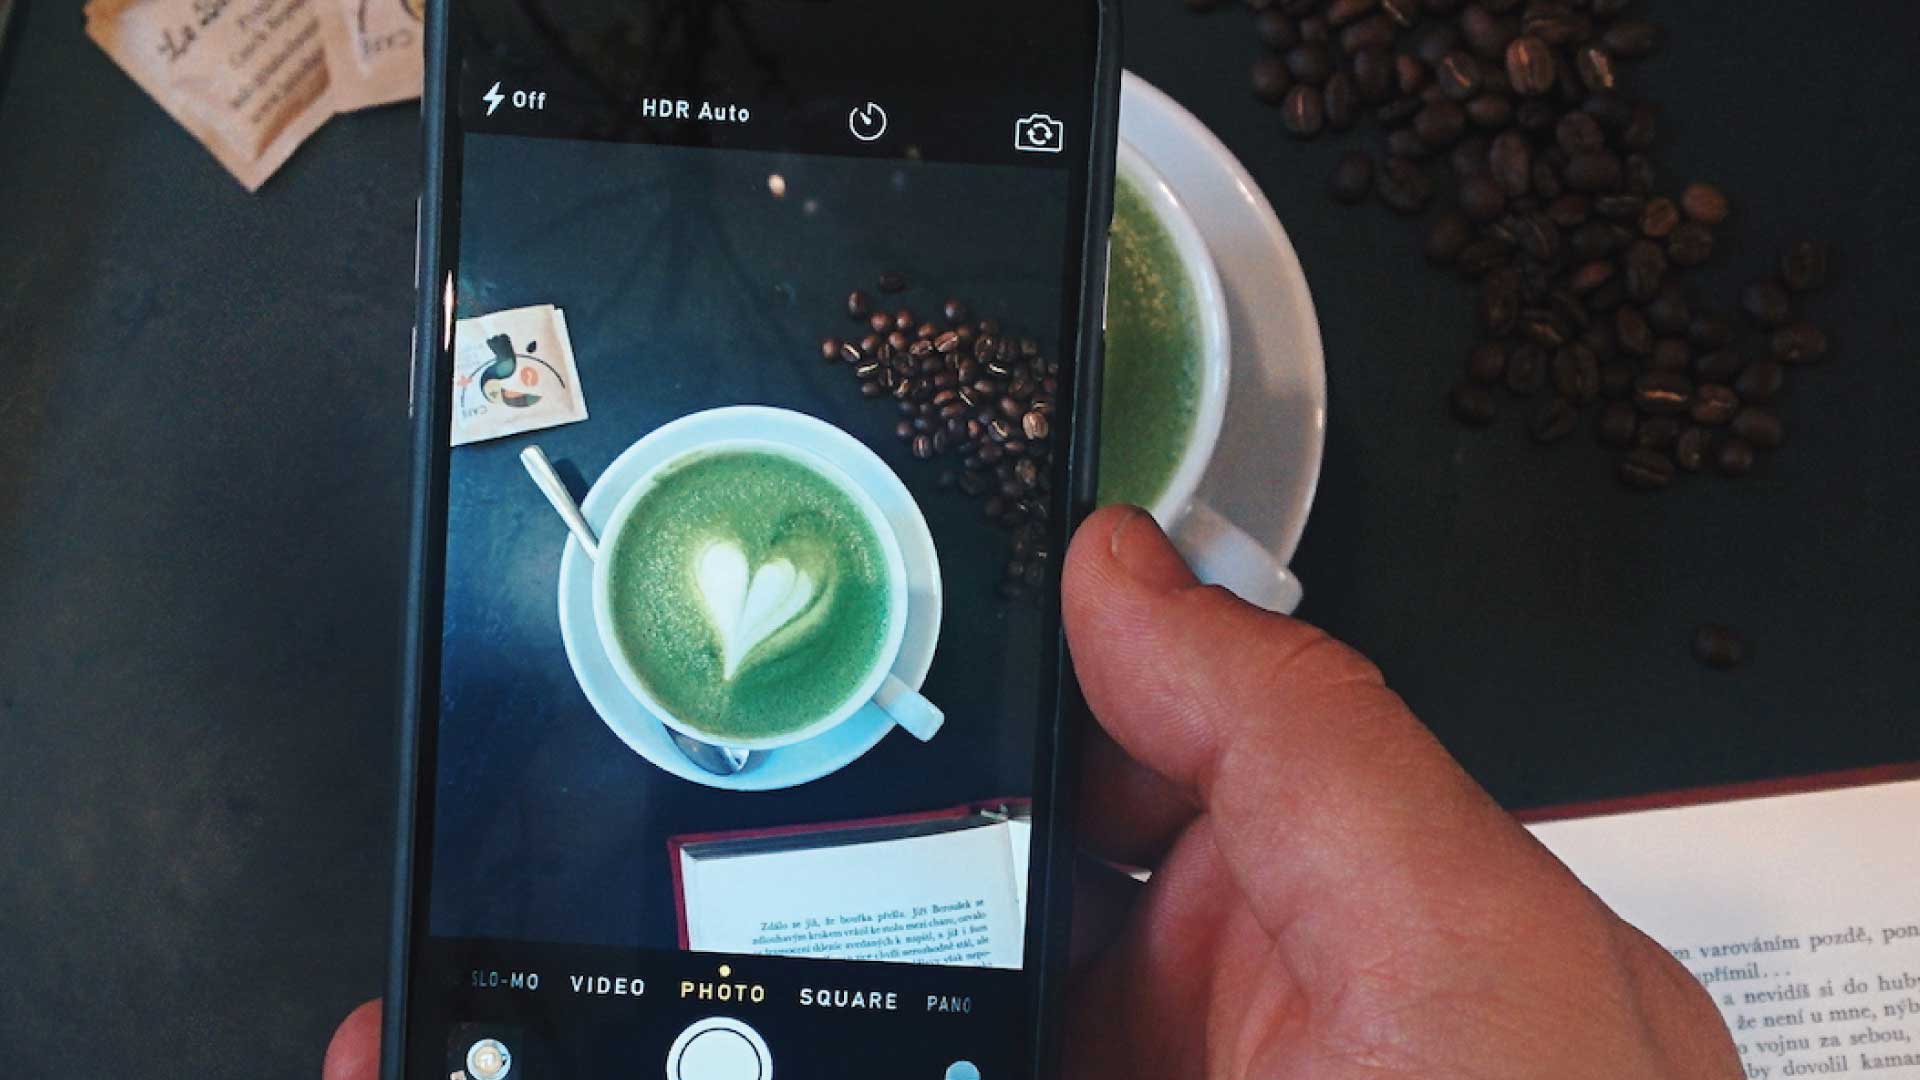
[[1266, 465], [787, 766]]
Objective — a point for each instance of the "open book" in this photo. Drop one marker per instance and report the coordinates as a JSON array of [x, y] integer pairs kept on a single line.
[[1799, 913], [946, 887]]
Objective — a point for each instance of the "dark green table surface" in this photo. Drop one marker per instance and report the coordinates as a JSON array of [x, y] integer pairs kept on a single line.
[[202, 436]]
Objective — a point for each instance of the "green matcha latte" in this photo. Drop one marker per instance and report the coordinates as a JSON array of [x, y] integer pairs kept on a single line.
[[1154, 356], [749, 592]]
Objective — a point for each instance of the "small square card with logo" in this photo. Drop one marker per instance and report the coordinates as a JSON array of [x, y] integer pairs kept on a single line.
[[513, 372]]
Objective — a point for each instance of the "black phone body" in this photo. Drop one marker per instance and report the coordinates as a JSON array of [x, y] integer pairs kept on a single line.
[[777, 776]]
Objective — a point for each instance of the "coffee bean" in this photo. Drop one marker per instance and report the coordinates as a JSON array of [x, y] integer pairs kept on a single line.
[[1511, 163], [1526, 370], [1406, 143], [880, 323], [1719, 366], [1804, 266], [1314, 30], [1659, 218], [1631, 330], [1631, 39], [1472, 404], [1440, 124], [1594, 172], [1480, 256], [1553, 421], [955, 312], [1657, 433], [1669, 354], [1735, 457], [1591, 276], [1594, 240], [1555, 24], [1799, 343], [1535, 115], [1458, 75], [1767, 303], [1487, 363], [1569, 211], [1447, 237], [871, 389], [1620, 206], [1719, 647], [1578, 133], [1276, 30], [1352, 178], [1410, 75], [1641, 127], [1530, 66], [1690, 245], [1481, 199], [1641, 177], [1595, 67], [1646, 469], [1646, 270], [1669, 312], [1762, 381], [1576, 374], [859, 304], [1691, 449], [1342, 101], [1761, 427], [1435, 42], [1616, 424], [1714, 406], [1342, 12], [1303, 112], [1036, 425], [1486, 34], [1309, 62], [1270, 80], [1377, 32], [1403, 186], [1662, 393], [1373, 74], [1500, 301], [892, 281], [1704, 203]]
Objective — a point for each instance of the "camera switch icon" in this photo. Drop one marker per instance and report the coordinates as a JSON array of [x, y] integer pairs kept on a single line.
[[1039, 133]]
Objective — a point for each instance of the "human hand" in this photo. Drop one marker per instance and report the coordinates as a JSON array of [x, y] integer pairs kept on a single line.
[[1332, 896]]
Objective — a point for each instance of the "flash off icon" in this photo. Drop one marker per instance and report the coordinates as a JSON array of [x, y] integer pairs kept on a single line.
[[531, 100]]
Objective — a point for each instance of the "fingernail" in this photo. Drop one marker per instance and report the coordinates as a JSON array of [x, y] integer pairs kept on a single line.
[[1136, 544]]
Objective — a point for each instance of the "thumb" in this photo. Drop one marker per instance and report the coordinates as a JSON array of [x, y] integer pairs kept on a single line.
[[1318, 782]]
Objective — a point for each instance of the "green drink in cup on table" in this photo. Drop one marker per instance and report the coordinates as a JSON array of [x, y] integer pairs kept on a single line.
[[753, 596], [1154, 357]]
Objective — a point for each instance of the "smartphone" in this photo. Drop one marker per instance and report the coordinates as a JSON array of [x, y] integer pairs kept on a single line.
[[758, 348]]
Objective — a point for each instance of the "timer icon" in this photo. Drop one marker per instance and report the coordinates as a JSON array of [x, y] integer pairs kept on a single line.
[[867, 122]]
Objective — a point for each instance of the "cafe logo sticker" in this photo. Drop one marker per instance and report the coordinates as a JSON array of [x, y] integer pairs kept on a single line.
[[513, 372]]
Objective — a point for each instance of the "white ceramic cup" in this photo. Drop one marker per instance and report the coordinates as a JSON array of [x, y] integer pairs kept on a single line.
[[918, 716], [1220, 552]]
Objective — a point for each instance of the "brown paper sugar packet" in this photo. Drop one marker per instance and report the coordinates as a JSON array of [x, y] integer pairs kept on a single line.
[[373, 50], [247, 77]]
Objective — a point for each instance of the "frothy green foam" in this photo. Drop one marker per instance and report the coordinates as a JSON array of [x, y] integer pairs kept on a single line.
[[1153, 359], [815, 626]]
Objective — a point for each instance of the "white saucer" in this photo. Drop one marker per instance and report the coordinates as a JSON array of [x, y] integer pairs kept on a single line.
[[787, 766], [1267, 463]]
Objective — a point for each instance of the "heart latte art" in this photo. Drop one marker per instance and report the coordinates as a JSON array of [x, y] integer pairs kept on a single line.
[[749, 592], [746, 607]]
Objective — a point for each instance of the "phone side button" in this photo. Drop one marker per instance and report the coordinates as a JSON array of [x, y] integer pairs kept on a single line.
[[413, 366]]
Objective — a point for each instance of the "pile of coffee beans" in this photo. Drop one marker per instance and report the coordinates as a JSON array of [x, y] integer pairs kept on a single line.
[[1511, 121], [970, 396]]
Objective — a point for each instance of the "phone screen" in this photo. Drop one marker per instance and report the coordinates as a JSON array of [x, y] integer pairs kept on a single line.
[[749, 765]]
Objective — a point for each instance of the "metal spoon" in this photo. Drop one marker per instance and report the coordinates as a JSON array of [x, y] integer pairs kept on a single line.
[[718, 760]]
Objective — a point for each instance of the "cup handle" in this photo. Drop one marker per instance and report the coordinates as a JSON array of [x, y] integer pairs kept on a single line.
[[921, 718], [1221, 553]]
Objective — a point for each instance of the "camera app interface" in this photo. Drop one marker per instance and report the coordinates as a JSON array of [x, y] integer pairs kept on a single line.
[[759, 394]]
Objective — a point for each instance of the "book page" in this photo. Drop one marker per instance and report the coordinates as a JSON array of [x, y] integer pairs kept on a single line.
[[945, 898], [1799, 913]]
